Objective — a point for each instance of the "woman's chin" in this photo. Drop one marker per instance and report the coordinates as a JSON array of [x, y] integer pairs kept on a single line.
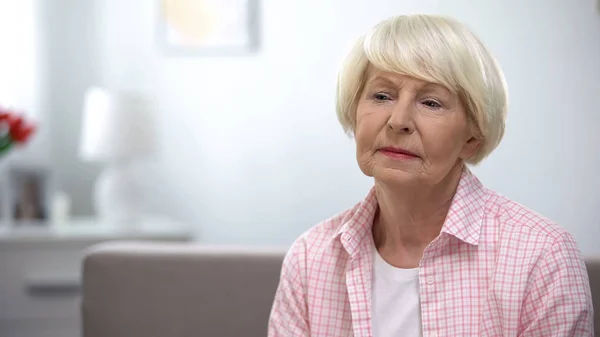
[[395, 176]]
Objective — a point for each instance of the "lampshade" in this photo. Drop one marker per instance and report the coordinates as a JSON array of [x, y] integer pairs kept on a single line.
[[117, 126]]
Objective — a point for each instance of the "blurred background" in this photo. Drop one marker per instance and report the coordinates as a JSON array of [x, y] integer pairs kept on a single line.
[[249, 150]]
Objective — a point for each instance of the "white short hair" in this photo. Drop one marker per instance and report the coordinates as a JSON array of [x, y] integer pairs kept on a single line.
[[436, 49]]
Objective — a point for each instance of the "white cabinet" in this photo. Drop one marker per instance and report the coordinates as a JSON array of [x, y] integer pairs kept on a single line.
[[41, 328], [40, 272]]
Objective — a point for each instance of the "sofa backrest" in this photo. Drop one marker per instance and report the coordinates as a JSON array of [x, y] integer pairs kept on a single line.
[[176, 290], [593, 268]]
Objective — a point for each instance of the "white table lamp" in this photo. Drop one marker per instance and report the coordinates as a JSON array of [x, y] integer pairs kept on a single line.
[[118, 128]]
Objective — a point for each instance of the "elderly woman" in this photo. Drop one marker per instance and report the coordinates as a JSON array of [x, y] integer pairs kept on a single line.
[[429, 251]]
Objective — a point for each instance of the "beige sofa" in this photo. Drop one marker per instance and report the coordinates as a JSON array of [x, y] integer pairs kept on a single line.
[[176, 290]]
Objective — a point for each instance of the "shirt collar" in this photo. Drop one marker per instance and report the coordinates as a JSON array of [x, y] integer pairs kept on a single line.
[[466, 212], [357, 225], [463, 221]]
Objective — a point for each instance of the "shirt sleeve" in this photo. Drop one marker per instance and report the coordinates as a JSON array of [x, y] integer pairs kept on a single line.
[[289, 314], [559, 302]]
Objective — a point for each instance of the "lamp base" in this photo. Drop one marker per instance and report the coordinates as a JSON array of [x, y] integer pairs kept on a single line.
[[119, 196]]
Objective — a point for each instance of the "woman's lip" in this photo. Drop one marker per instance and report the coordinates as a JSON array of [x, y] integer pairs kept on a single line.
[[397, 151], [397, 155]]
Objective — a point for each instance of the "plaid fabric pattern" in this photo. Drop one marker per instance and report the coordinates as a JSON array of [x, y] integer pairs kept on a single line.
[[496, 269]]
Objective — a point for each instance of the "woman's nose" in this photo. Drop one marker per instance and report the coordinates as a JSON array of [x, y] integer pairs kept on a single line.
[[401, 117]]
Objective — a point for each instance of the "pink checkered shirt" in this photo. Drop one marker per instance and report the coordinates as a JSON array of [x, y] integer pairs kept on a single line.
[[496, 269]]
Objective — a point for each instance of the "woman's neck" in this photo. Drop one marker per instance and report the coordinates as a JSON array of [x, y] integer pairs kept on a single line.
[[409, 218]]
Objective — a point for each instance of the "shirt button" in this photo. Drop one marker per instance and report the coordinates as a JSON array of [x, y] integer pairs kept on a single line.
[[433, 334], [431, 280]]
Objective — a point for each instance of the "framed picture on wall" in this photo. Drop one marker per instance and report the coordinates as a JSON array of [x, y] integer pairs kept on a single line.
[[29, 191], [208, 27]]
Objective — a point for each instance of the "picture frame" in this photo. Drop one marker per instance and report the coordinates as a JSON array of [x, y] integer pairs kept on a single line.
[[28, 200], [208, 27]]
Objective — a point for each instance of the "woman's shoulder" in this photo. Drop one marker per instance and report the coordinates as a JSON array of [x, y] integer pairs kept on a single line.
[[323, 236], [512, 220]]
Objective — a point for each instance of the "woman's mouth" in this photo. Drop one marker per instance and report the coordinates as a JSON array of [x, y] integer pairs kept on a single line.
[[397, 153]]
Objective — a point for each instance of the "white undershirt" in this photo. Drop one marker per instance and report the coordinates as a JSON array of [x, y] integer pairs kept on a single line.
[[396, 306]]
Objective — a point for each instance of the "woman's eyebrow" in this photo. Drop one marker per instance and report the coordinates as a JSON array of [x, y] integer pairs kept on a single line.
[[382, 80], [425, 86], [437, 88]]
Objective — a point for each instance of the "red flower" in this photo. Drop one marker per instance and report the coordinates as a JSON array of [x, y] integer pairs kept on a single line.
[[19, 130], [3, 116], [22, 135]]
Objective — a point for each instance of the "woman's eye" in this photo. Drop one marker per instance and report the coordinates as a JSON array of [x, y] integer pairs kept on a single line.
[[381, 97], [432, 104]]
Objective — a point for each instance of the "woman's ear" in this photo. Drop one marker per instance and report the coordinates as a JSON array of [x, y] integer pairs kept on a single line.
[[471, 147]]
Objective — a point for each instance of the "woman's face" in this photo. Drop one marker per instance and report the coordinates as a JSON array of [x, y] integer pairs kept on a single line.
[[409, 130]]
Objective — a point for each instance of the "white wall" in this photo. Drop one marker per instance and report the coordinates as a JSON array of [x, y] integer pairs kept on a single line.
[[17, 60], [251, 149], [23, 73], [69, 28]]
